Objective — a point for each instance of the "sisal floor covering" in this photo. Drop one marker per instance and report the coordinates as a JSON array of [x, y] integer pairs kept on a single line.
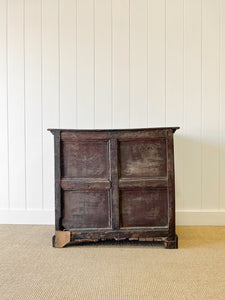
[[31, 269]]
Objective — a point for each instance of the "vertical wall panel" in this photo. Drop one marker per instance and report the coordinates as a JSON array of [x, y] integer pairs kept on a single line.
[[174, 85], [192, 105], [85, 63], [67, 48], [33, 103], [222, 105], [111, 63], [102, 44], [156, 63], [210, 108], [50, 94], [120, 61], [3, 106], [17, 194], [138, 63]]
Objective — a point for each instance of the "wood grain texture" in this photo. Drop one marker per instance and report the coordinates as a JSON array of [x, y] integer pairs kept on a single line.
[[143, 208], [124, 183], [86, 209], [85, 159], [114, 179], [142, 158]]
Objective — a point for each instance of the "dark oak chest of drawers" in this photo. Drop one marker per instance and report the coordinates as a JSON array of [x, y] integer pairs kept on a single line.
[[114, 185]]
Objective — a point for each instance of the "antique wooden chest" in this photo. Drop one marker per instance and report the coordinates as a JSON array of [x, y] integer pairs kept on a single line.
[[114, 185]]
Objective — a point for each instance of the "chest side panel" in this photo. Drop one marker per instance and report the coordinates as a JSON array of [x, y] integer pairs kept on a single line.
[[85, 182], [143, 182]]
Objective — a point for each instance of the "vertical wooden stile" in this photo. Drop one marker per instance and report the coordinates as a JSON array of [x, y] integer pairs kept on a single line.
[[115, 185], [58, 225]]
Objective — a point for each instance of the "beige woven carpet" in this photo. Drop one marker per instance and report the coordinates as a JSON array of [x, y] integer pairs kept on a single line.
[[31, 269]]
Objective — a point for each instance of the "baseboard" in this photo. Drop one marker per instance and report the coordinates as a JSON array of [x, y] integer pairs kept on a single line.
[[36, 217], [200, 217], [46, 217]]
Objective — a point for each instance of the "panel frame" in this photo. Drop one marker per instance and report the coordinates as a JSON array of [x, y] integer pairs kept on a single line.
[[166, 234]]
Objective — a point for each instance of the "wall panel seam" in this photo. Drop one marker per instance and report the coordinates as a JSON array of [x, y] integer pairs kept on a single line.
[[24, 88], [59, 63], [112, 102], [165, 103], [220, 100], [201, 100], [7, 96], [129, 72], [42, 127]]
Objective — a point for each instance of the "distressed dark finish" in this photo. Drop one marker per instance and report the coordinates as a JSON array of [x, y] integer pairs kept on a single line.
[[114, 184]]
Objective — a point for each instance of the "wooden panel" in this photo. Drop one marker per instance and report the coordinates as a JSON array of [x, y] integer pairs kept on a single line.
[[33, 108], [142, 183], [85, 184], [67, 48], [50, 95], [145, 158], [138, 63], [171, 185], [210, 109], [103, 59], [143, 208], [58, 190], [120, 64], [85, 64], [73, 135], [86, 210], [192, 105], [4, 174], [16, 114], [174, 85], [85, 159], [114, 179], [156, 62]]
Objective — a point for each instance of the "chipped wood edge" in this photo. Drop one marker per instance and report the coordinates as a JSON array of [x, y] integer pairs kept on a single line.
[[61, 238]]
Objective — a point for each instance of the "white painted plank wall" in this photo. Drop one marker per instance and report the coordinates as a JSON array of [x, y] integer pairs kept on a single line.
[[50, 94], [111, 64], [156, 63], [4, 174], [120, 64], [33, 103], [192, 118], [16, 104]]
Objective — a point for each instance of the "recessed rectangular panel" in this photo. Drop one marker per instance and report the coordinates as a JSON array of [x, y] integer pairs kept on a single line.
[[85, 159], [143, 208], [86, 209], [143, 158]]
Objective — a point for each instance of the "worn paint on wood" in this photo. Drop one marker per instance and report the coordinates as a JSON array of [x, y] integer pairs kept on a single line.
[[115, 184]]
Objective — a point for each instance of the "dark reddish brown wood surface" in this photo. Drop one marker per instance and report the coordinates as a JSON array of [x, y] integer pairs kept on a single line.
[[114, 184]]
